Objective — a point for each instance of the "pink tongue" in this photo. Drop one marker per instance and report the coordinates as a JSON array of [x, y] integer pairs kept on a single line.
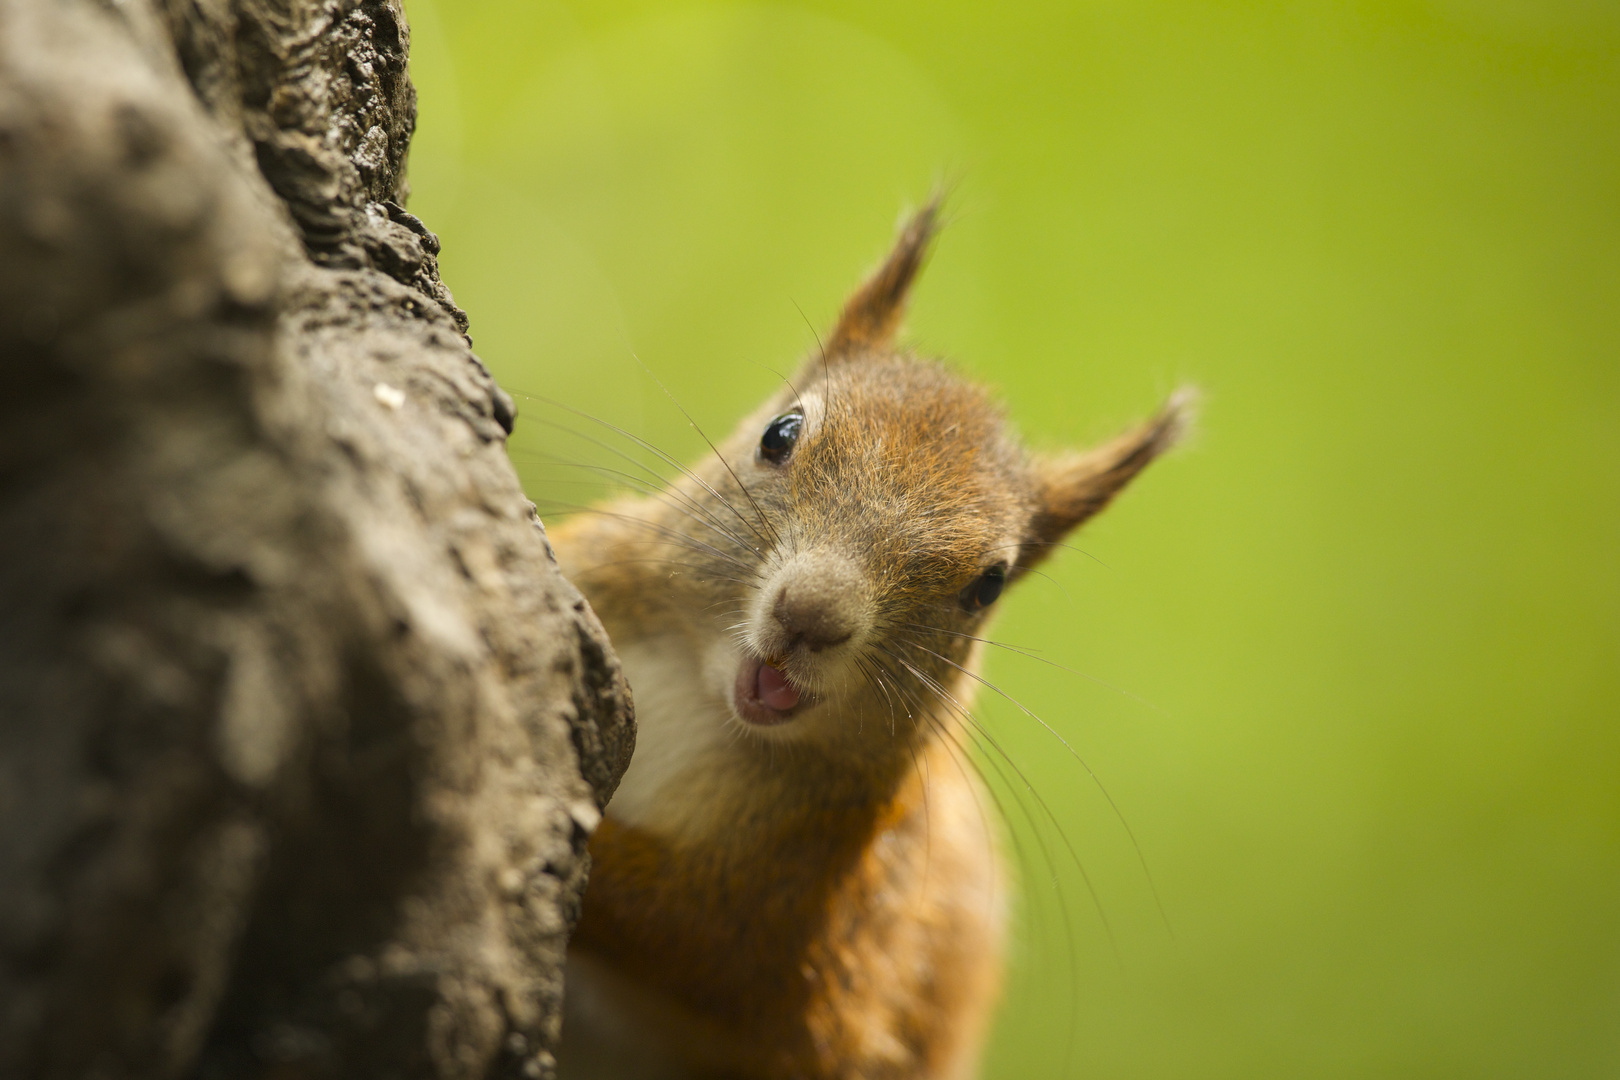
[[774, 689]]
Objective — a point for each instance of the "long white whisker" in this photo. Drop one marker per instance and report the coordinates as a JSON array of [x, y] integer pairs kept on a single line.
[[1095, 779]]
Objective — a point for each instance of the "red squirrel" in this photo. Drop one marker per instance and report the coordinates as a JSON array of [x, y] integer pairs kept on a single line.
[[796, 878]]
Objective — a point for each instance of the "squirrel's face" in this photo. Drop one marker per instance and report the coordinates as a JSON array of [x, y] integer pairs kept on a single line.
[[891, 509], [874, 512], [823, 578]]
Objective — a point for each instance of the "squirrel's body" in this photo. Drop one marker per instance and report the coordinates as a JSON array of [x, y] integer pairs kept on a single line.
[[797, 877]]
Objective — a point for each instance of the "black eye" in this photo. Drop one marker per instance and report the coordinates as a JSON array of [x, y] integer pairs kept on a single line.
[[983, 590], [780, 435]]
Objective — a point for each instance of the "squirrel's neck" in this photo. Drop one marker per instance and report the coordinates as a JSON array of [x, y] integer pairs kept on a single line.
[[732, 925]]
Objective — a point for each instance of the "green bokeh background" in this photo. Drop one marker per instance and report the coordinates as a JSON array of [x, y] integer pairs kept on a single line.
[[1349, 664]]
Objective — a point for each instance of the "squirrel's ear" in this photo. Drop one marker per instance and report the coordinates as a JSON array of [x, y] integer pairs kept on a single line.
[[872, 314], [1073, 487]]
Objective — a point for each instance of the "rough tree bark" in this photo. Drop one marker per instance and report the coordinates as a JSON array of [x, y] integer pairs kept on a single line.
[[301, 733]]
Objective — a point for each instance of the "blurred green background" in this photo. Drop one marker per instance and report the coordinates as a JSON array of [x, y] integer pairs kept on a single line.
[[1350, 663]]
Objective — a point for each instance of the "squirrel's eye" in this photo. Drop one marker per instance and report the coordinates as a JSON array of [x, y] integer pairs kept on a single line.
[[984, 589], [780, 435]]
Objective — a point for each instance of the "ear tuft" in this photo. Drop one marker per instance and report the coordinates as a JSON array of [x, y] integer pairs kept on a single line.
[[872, 315], [1074, 487]]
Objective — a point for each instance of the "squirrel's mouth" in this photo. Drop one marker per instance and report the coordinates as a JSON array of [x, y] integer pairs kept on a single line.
[[764, 695]]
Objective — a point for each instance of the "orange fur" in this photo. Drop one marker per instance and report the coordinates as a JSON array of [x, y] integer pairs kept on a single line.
[[813, 945], [820, 897]]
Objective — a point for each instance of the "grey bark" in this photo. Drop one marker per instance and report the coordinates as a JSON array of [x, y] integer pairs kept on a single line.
[[301, 733]]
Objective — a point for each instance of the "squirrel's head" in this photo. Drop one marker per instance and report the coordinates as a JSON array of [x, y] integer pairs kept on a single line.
[[864, 523]]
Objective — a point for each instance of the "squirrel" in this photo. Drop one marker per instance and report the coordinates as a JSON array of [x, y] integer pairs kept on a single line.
[[796, 877]]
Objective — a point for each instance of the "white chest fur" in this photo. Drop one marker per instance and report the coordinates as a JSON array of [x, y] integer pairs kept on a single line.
[[683, 716]]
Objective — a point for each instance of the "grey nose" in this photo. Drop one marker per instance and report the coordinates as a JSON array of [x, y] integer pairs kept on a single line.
[[820, 605]]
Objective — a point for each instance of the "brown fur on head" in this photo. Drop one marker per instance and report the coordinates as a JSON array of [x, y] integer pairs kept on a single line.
[[850, 563]]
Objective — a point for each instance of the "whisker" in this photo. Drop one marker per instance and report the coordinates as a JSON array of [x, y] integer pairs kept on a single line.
[[968, 717], [1034, 654], [644, 444], [721, 458], [689, 507], [672, 536], [1095, 779], [962, 760], [572, 508], [1022, 650], [1057, 544], [980, 737], [704, 571]]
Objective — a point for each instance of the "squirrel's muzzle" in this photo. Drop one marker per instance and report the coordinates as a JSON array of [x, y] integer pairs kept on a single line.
[[816, 600]]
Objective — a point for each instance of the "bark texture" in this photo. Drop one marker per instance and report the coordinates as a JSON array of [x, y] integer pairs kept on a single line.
[[301, 733]]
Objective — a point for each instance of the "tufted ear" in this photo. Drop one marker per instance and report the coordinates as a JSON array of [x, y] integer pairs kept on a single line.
[[872, 314], [1073, 487]]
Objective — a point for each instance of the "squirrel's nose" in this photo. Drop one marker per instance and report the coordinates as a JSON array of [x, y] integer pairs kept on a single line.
[[821, 605]]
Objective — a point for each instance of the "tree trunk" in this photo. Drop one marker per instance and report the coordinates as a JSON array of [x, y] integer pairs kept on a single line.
[[301, 733]]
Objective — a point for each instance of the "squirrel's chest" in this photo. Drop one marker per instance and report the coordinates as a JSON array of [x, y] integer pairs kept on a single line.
[[682, 730], [854, 942]]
